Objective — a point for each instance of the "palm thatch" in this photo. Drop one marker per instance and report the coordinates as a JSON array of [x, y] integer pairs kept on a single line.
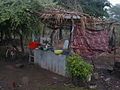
[[55, 19]]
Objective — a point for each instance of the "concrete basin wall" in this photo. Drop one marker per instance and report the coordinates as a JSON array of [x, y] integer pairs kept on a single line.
[[48, 60]]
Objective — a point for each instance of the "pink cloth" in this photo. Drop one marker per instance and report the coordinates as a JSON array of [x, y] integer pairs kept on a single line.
[[90, 43]]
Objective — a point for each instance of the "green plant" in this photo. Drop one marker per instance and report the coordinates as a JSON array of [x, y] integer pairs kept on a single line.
[[77, 68]]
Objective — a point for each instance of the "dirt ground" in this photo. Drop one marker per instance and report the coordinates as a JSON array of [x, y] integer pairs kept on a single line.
[[108, 79], [32, 77], [28, 77]]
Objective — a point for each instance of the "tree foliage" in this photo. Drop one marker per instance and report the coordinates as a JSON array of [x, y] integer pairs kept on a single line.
[[48, 3], [115, 12], [16, 18], [93, 7], [70, 4]]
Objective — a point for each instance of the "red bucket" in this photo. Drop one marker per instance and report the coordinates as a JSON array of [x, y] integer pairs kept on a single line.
[[33, 45]]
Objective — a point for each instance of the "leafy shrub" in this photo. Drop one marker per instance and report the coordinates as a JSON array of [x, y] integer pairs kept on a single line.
[[77, 68]]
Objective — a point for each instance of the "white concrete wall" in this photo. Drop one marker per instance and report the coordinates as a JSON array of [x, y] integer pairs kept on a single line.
[[48, 60]]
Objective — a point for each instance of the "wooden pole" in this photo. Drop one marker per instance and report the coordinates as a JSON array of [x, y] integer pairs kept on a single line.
[[60, 34], [114, 56], [51, 36], [93, 64], [71, 31], [114, 47], [70, 38], [44, 28], [21, 41]]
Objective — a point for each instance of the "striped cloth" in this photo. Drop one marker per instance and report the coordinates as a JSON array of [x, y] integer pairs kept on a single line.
[[90, 43]]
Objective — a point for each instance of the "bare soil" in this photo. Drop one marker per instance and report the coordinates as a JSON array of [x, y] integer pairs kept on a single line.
[[29, 77], [32, 77]]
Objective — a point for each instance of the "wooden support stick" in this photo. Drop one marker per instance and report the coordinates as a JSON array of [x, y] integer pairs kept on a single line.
[[93, 64], [114, 56], [51, 36], [114, 47], [60, 34], [71, 31], [44, 29]]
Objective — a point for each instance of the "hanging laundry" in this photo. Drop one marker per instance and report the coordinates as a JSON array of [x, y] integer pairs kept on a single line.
[[90, 43]]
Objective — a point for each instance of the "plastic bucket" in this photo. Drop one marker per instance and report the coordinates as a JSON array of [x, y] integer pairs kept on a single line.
[[33, 45]]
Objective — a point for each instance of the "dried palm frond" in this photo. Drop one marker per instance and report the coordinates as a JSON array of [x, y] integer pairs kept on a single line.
[[57, 17], [46, 16], [83, 21], [60, 18]]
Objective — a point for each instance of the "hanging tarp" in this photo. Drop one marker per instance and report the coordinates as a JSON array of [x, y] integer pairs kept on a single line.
[[90, 43]]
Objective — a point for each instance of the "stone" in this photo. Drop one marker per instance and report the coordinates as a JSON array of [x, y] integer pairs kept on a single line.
[[96, 76], [0, 87], [92, 86], [102, 76], [107, 79], [25, 81], [55, 78], [19, 65]]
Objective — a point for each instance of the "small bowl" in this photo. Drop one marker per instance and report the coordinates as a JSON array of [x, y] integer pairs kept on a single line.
[[58, 51]]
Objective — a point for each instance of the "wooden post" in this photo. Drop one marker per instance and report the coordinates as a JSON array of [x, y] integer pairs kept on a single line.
[[71, 31], [1, 37], [51, 36], [70, 37], [60, 34], [114, 46], [44, 28], [21, 41], [114, 55], [93, 63]]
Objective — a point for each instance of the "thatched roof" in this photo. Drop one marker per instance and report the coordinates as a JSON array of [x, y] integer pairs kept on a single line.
[[55, 19]]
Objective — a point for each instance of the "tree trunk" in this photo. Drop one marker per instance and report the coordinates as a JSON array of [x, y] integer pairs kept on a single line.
[[21, 42], [1, 36]]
